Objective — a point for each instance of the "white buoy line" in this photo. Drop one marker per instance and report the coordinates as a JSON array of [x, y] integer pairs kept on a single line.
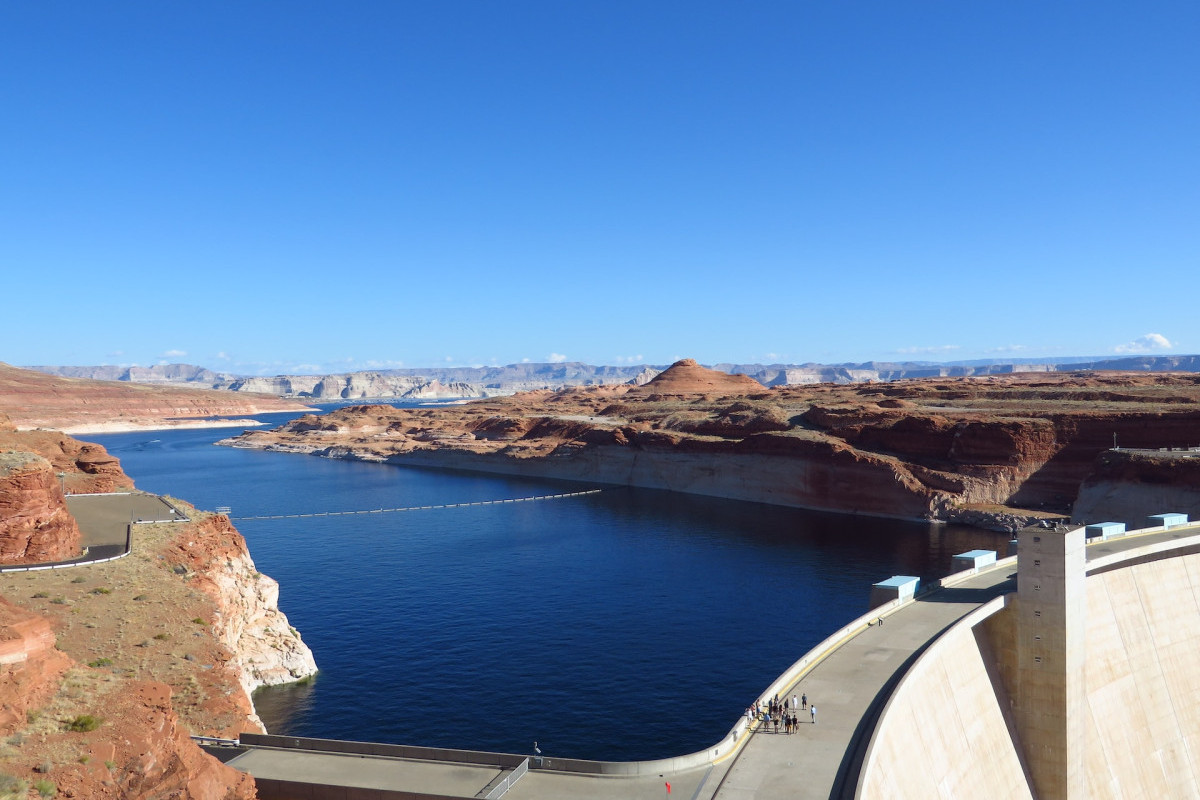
[[421, 508]]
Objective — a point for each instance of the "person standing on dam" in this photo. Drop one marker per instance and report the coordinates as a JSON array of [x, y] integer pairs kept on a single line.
[[813, 711]]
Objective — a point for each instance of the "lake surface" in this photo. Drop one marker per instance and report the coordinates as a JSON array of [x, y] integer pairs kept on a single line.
[[629, 624]]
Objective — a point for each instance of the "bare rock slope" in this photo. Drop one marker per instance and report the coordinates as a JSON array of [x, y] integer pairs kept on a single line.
[[917, 448]]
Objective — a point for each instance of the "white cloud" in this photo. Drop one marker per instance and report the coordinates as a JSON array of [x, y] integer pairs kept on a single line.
[[556, 358], [940, 348], [174, 354], [386, 363], [223, 355], [630, 359], [525, 360], [1008, 348], [1145, 344]]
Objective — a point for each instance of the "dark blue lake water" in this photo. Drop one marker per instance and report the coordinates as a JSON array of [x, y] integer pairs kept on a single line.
[[629, 624]]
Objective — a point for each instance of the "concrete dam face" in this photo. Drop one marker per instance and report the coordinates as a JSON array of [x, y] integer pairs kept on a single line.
[[1104, 705]]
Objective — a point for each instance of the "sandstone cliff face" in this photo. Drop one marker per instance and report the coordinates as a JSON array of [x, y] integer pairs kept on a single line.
[[1130, 485], [265, 649], [30, 666], [84, 467], [35, 525], [917, 448]]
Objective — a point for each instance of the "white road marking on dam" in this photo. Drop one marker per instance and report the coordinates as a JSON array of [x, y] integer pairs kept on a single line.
[[421, 508]]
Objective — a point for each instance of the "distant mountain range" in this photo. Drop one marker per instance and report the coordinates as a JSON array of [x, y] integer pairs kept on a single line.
[[441, 383]]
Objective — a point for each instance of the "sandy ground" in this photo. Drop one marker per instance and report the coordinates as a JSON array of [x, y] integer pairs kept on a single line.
[[159, 425]]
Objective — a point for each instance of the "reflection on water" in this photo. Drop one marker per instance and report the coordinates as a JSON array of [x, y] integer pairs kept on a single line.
[[629, 624], [279, 706]]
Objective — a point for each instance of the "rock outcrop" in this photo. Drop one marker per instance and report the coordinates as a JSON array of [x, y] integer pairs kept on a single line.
[[1130, 485], [1018, 444], [35, 525], [266, 650], [175, 638], [30, 666]]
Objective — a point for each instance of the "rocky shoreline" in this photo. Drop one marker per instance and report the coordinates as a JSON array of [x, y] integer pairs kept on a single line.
[[107, 669], [998, 452]]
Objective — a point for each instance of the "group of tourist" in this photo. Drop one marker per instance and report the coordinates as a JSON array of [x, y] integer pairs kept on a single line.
[[780, 713]]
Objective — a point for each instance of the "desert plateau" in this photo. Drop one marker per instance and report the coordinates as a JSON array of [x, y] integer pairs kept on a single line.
[[1000, 451]]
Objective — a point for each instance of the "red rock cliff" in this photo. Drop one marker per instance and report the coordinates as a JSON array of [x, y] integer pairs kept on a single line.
[[35, 525]]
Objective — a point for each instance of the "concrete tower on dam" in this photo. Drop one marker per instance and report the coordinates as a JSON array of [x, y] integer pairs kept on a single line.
[[1049, 699], [1084, 683]]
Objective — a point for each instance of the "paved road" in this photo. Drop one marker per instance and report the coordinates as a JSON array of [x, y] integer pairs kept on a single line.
[[103, 522]]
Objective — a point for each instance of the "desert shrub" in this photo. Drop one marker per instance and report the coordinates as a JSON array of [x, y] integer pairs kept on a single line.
[[101, 662], [12, 787], [162, 637], [199, 621], [59, 601], [45, 787], [41, 594], [101, 590], [83, 723]]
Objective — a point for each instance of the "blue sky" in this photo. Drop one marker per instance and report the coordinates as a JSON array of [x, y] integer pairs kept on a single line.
[[294, 186]]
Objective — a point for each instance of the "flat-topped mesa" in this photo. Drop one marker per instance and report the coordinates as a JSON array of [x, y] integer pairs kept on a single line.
[[916, 448], [36, 400], [686, 377]]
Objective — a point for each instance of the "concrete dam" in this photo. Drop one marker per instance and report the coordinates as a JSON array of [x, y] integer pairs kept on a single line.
[[1083, 683]]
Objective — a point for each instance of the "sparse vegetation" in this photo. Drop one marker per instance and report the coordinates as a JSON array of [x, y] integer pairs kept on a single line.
[[45, 787], [12, 787], [83, 723], [78, 579], [199, 621], [162, 637], [39, 595], [101, 662], [101, 590], [59, 601]]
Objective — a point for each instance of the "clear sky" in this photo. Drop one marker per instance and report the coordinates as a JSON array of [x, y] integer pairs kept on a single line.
[[266, 187]]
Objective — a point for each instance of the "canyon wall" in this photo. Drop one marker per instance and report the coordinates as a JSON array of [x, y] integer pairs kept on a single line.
[[1128, 486], [35, 525], [266, 650]]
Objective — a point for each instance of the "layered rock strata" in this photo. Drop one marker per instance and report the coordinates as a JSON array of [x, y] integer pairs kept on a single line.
[[1130, 485], [35, 525], [37, 400], [931, 448]]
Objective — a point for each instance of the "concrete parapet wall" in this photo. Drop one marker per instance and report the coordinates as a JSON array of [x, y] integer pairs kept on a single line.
[[942, 733]]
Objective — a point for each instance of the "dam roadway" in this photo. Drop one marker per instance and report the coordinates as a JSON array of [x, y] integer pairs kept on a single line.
[[849, 678]]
